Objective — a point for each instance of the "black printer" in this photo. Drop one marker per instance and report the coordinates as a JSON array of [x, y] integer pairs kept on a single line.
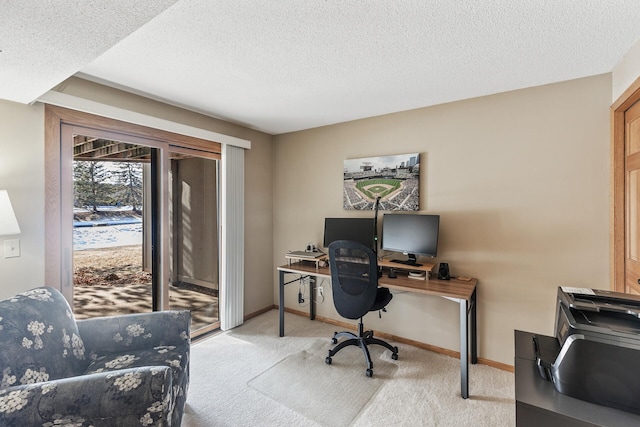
[[595, 354]]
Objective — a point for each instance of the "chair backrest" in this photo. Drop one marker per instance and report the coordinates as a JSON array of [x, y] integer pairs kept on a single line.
[[39, 338], [354, 278]]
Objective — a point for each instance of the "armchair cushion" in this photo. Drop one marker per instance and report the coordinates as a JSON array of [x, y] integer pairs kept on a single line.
[[148, 339], [128, 397], [131, 332]]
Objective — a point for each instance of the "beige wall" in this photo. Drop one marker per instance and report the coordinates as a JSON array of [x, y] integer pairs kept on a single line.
[[21, 172], [626, 71], [520, 179]]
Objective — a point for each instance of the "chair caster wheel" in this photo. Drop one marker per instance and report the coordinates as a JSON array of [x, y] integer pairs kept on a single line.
[[394, 356], [369, 373], [334, 341], [327, 361]]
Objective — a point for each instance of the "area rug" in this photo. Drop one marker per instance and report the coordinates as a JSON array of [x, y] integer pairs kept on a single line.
[[331, 395]]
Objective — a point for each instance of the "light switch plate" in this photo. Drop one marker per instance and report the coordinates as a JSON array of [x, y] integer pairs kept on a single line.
[[12, 248]]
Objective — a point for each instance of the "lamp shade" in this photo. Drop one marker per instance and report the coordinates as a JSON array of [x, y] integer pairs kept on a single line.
[[8, 222]]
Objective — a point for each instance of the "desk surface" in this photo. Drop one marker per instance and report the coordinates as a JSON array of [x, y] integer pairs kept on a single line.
[[443, 288], [424, 265]]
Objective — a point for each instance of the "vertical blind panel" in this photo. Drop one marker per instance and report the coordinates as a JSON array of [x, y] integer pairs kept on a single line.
[[232, 238]]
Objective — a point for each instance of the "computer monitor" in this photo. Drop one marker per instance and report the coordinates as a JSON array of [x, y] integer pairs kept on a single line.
[[411, 234], [356, 229]]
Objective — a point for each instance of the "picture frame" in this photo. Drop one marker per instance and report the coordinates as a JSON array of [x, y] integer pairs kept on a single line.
[[394, 179]]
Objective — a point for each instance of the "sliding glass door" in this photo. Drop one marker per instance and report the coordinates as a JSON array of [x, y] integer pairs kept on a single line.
[[193, 229], [144, 233]]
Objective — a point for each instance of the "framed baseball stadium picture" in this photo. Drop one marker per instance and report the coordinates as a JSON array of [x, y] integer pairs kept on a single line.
[[393, 179]]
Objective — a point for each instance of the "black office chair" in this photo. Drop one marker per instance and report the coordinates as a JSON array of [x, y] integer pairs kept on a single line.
[[354, 280]]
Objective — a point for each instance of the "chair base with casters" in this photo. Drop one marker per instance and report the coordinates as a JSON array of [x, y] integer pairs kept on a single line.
[[362, 340]]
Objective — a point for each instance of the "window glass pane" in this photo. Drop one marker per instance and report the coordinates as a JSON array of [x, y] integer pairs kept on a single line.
[[194, 236]]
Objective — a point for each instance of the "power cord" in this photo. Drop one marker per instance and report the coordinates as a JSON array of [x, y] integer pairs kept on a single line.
[[304, 282]]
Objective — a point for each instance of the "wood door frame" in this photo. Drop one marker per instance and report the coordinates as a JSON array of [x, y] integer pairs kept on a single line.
[[54, 119], [618, 172]]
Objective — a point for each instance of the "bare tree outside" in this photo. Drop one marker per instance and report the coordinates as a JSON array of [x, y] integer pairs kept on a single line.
[[89, 184], [129, 182]]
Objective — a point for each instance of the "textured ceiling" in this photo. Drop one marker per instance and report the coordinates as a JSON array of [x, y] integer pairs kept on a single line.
[[42, 42], [281, 66]]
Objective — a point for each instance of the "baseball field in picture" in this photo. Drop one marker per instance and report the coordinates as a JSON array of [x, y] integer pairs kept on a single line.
[[394, 179]]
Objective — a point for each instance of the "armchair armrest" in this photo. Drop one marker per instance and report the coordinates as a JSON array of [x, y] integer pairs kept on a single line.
[[121, 397], [135, 331]]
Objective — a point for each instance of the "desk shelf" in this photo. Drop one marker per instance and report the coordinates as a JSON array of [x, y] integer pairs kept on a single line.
[[292, 259], [425, 267]]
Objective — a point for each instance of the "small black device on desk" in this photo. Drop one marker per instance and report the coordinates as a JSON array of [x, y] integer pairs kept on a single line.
[[443, 271], [392, 273]]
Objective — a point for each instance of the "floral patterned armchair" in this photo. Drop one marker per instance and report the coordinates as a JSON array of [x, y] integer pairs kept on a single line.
[[130, 370]]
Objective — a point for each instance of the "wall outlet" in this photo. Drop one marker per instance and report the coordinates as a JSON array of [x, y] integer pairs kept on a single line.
[[320, 291], [12, 248]]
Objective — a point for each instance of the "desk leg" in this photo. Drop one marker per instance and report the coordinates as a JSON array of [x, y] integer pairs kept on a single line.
[[474, 329], [281, 303], [464, 349]]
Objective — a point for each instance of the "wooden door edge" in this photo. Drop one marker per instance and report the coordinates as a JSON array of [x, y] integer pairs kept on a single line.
[[617, 191]]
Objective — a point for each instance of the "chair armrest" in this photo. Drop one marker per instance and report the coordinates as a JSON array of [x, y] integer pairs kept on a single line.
[[138, 331], [121, 397]]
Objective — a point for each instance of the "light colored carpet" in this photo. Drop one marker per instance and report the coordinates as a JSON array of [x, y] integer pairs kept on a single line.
[[424, 390]]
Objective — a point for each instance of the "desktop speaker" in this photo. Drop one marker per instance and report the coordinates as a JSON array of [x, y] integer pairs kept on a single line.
[[443, 271]]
